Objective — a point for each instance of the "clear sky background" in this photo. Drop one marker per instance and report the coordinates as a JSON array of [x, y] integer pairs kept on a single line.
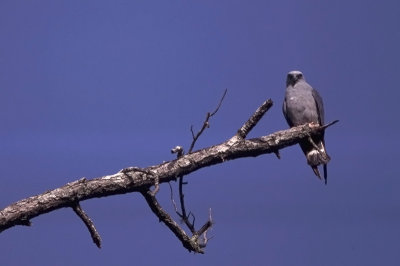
[[90, 87]]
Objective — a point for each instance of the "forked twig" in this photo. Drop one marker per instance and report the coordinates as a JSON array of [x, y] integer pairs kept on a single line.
[[190, 243], [183, 215], [205, 123]]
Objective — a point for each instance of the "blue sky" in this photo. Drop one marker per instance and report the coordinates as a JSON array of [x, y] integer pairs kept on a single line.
[[90, 87]]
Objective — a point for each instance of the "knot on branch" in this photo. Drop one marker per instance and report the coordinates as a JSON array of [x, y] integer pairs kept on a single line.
[[178, 150]]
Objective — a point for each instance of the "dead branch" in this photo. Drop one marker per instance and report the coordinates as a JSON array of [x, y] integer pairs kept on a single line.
[[21, 212], [190, 244], [205, 124], [136, 179], [253, 120], [183, 214], [89, 224]]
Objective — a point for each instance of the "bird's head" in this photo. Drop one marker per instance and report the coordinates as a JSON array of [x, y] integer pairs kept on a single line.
[[293, 77]]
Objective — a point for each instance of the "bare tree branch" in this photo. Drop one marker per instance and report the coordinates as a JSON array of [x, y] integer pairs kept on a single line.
[[253, 120], [172, 199], [183, 215], [190, 244], [89, 224], [21, 212], [134, 179], [205, 123]]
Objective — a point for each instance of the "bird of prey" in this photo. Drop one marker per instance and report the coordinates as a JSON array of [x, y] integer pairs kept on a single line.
[[302, 105]]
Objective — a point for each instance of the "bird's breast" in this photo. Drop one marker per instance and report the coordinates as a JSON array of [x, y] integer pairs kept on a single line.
[[301, 108]]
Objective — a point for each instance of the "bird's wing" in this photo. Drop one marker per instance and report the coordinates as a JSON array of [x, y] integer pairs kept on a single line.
[[286, 114], [320, 106]]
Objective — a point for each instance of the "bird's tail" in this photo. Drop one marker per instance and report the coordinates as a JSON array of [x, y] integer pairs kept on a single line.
[[317, 157], [326, 173]]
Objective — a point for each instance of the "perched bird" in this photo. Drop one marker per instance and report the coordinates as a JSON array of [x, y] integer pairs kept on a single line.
[[302, 105]]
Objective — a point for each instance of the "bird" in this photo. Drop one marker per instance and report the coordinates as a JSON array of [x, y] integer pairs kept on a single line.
[[303, 104]]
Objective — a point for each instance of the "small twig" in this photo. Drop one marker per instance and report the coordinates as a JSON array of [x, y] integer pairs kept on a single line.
[[204, 228], [220, 103], [89, 224], [192, 131], [253, 120], [190, 244], [206, 123], [183, 215], [196, 137], [179, 151], [194, 218], [203, 231], [172, 199], [205, 239]]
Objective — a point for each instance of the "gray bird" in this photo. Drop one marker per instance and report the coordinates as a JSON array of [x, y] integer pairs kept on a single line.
[[302, 105]]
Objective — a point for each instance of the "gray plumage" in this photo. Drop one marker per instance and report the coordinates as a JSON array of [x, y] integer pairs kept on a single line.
[[302, 105]]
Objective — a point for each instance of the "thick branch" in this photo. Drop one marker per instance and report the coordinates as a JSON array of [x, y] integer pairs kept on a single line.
[[132, 180]]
